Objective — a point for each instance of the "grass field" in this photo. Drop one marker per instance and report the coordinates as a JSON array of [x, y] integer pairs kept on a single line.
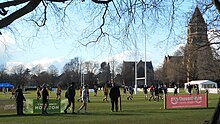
[[137, 111]]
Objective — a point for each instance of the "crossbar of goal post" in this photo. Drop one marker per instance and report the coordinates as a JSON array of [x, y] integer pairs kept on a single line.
[[136, 83], [141, 78]]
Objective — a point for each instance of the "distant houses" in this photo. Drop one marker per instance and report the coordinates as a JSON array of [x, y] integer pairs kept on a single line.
[[128, 73]]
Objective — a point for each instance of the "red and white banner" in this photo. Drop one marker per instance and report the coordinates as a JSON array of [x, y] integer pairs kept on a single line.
[[186, 101]]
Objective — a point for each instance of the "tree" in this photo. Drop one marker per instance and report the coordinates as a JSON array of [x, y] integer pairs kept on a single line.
[[158, 74], [4, 77], [72, 72], [117, 19], [53, 73], [118, 73], [53, 70], [173, 70], [73, 65], [36, 70], [113, 64], [43, 78], [90, 66], [21, 75], [104, 75], [128, 72]]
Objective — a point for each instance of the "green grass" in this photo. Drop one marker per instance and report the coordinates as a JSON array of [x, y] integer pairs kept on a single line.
[[138, 111]]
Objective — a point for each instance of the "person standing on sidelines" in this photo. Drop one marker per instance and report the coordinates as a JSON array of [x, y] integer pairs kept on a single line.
[[189, 89], [84, 99], [114, 95], [19, 96], [45, 98], [175, 90], [165, 89], [71, 92], [197, 89]]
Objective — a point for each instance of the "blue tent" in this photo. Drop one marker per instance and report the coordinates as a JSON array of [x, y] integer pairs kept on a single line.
[[6, 85]]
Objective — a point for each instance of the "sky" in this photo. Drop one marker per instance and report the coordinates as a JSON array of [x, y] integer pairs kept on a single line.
[[51, 45]]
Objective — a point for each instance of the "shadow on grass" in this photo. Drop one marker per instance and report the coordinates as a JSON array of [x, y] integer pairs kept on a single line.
[[120, 113]]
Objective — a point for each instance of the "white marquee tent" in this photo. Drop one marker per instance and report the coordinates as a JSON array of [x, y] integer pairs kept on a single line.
[[203, 84]]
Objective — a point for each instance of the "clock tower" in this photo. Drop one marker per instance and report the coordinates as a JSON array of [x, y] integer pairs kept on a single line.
[[198, 54]]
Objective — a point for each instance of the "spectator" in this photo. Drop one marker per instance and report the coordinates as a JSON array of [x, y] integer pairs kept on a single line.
[[45, 98], [19, 96], [175, 90], [189, 87], [114, 95], [165, 89], [71, 98], [197, 89]]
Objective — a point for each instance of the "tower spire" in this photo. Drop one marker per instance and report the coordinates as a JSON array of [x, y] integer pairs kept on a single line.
[[197, 16]]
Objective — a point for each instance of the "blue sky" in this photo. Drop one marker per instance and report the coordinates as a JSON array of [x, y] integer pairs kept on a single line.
[[52, 45]]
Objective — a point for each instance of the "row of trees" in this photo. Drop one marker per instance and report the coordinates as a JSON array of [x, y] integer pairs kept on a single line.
[[74, 71], [94, 73]]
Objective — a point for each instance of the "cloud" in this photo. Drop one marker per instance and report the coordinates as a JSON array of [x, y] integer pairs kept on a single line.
[[128, 56], [58, 62]]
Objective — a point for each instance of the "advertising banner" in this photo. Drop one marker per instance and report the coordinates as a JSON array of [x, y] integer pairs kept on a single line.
[[7, 106], [54, 106], [186, 101]]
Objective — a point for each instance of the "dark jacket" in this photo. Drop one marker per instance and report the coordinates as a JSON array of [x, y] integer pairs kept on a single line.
[[45, 94], [114, 92], [19, 95], [71, 91]]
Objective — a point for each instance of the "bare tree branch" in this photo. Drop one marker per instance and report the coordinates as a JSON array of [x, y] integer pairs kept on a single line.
[[12, 3], [19, 13], [102, 1]]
